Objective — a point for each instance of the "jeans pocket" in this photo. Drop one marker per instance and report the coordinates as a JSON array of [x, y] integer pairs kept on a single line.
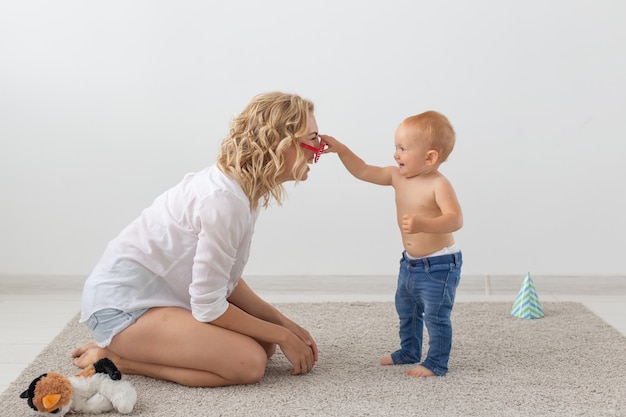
[[92, 322], [439, 273]]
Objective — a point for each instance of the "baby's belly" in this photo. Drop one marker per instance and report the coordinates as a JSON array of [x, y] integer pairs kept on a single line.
[[421, 244]]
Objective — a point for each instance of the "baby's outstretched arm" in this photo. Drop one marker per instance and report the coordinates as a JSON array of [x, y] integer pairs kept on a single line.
[[355, 165]]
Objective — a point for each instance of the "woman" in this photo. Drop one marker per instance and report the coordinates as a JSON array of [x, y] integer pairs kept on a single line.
[[167, 300]]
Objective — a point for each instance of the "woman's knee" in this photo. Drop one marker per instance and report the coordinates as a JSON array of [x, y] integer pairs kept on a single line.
[[251, 369], [270, 349]]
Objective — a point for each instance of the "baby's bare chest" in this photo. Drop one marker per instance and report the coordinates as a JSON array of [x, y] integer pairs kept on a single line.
[[415, 198]]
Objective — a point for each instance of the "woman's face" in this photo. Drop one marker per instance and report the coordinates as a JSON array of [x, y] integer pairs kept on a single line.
[[291, 155]]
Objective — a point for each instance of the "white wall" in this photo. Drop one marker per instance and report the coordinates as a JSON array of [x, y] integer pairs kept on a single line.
[[103, 105]]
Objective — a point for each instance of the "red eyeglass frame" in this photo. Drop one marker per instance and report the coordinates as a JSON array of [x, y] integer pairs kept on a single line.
[[317, 151]]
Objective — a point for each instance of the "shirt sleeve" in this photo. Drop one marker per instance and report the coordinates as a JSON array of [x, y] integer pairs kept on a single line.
[[224, 224]]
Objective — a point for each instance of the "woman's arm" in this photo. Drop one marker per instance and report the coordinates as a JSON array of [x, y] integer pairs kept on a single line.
[[246, 299], [250, 315]]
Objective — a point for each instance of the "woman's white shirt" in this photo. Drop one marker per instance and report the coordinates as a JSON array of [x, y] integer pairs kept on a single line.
[[188, 250]]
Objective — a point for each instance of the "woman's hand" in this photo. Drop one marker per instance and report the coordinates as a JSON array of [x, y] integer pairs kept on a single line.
[[298, 346], [299, 354], [304, 335], [304, 363]]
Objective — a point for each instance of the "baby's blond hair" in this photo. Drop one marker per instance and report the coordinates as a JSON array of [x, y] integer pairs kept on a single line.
[[435, 131], [253, 153]]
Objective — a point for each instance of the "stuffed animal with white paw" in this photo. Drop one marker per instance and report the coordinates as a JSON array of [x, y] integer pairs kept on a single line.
[[96, 389]]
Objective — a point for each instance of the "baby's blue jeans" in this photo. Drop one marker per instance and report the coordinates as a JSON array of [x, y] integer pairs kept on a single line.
[[425, 295]]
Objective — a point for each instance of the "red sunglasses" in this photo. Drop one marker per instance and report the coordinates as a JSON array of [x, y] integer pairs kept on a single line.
[[317, 151]]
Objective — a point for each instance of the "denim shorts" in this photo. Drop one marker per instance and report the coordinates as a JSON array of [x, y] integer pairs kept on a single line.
[[105, 324]]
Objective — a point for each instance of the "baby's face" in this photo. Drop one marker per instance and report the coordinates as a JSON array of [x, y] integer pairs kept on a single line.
[[411, 155]]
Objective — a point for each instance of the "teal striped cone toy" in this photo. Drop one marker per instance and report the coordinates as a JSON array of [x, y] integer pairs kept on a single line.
[[527, 305]]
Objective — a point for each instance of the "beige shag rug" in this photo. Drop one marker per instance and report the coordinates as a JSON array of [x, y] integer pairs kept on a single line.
[[569, 363]]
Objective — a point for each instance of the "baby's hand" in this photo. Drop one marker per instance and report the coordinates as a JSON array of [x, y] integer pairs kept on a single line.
[[333, 144], [409, 224]]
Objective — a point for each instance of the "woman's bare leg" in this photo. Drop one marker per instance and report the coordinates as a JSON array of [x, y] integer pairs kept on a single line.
[[169, 343]]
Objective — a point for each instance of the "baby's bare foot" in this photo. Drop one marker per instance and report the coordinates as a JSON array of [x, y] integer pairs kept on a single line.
[[386, 360], [420, 372], [90, 353]]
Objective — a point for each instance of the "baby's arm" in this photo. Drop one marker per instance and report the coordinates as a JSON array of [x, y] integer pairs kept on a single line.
[[355, 165], [451, 217]]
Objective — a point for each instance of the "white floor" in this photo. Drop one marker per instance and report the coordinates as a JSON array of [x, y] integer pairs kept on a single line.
[[33, 310]]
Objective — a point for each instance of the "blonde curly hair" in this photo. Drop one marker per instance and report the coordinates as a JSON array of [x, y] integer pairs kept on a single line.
[[253, 153]]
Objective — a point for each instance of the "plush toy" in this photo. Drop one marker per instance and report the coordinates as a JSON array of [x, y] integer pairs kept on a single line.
[[96, 389]]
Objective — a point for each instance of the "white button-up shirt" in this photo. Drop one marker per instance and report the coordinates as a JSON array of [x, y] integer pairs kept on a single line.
[[188, 250]]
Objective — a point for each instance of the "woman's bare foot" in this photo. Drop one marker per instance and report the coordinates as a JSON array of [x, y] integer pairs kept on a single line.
[[420, 372], [386, 360], [90, 353]]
